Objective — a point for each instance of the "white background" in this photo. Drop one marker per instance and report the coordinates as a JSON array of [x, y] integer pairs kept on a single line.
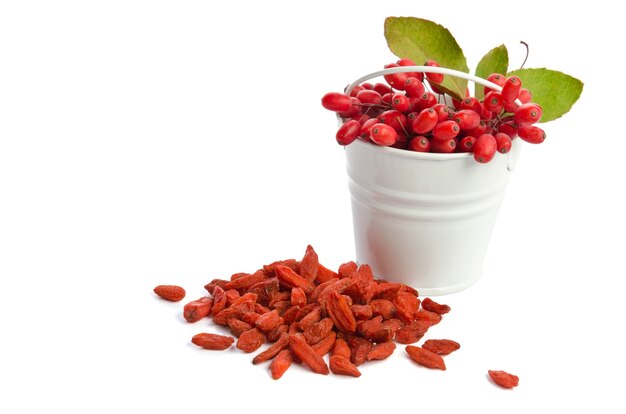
[[150, 142]]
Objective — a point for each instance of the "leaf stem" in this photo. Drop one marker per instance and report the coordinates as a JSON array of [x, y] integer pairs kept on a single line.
[[527, 52]]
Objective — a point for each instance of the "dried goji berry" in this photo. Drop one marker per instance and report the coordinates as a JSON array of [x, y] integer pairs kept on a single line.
[[382, 350], [250, 341], [271, 268], [347, 270], [172, 293], [425, 357], [340, 365], [269, 321], [431, 317], [274, 334], [290, 278], [265, 290], [341, 348], [309, 264], [314, 315], [197, 309], [215, 282], [272, 350], [237, 327], [298, 297], [339, 311], [383, 307], [231, 296], [324, 345], [441, 346], [219, 300], [324, 274], [281, 363], [362, 312], [319, 330], [432, 306], [412, 332], [406, 305], [302, 350], [504, 379], [212, 341], [359, 348], [313, 297], [246, 280]]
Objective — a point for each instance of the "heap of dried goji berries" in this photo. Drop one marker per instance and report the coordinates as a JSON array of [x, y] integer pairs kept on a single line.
[[305, 311]]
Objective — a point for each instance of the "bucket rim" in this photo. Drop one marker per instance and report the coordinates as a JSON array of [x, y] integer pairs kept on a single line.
[[397, 152]]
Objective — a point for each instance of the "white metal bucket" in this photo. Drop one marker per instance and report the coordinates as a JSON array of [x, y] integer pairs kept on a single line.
[[425, 219]]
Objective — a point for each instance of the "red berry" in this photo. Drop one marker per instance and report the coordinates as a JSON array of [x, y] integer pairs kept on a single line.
[[503, 142], [446, 130], [356, 90], [420, 144], [354, 110], [383, 134], [368, 96], [387, 98], [395, 80], [524, 96], [443, 111], [496, 78], [509, 128], [467, 119], [493, 101], [479, 130], [443, 145], [531, 133], [511, 89], [335, 101], [409, 62], [367, 85], [400, 102], [414, 87], [471, 103], [433, 77], [427, 100], [401, 141], [466, 144], [425, 121], [395, 119], [382, 89], [364, 133], [528, 113], [348, 132], [485, 148]]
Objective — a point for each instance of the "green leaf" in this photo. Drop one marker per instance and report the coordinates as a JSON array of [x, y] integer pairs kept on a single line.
[[495, 61], [555, 91], [420, 40]]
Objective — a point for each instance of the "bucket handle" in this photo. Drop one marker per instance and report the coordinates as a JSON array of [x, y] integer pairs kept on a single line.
[[433, 69]]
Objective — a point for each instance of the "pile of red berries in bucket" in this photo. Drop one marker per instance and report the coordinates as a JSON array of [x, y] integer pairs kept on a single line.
[[409, 112]]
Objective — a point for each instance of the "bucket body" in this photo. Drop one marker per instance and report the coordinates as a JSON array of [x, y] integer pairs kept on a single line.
[[425, 219]]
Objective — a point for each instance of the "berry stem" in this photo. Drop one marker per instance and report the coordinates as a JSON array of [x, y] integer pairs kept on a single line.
[[527, 52]]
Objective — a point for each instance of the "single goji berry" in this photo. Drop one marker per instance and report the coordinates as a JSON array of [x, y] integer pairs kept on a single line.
[[441, 346], [212, 341], [172, 293], [272, 350], [324, 345], [381, 350], [197, 309], [340, 313], [340, 365], [302, 350], [290, 278], [250, 341], [432, 306], [504, 379], [298, 297], [281, 363], [425, 357], [341, 348], [269, 321], [309, 264]]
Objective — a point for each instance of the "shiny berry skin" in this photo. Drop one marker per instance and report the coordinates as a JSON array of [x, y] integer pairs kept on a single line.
[[443, 111], [337, 102], [364, 132], [356, 90], [433, 77], [414, 87], [354, 110], [409, 62], [383, 134], [427, 100], [382, 89], [511, 89], [531, 133], [400, 102], [367, 85], [471, 103], [348, 132], [524, 96], [419, 144], [395, 80], [425, 121], [467, 119], [443, 145], [503, 142], [395, 119], [446, 130], [509, 128], [493, 102], [368, 96], [482, 128], [466, 144], [485, 148], [528, 113], [496, 78]]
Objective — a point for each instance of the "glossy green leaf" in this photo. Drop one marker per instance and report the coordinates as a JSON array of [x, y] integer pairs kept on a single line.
[[495, 61]]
